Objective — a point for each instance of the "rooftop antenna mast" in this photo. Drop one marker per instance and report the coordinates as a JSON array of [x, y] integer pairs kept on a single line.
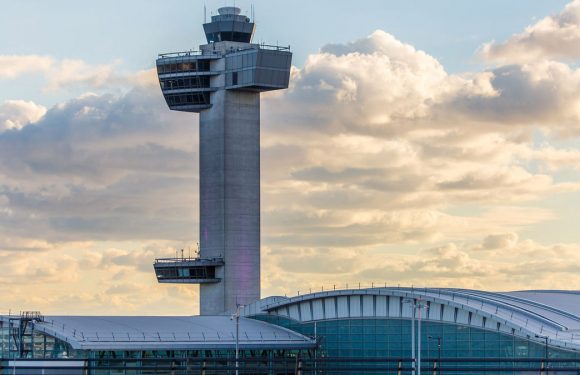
[[204, 14]]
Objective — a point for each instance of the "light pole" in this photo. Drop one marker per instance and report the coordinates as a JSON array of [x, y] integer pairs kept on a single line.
[[419, 305], [315, 350], [412, 302], [438, 353], [236, 316], [545, 338], [415, 304]]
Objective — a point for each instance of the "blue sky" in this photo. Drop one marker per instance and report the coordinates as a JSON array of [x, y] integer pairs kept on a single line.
[[133, 33], [420, 143]]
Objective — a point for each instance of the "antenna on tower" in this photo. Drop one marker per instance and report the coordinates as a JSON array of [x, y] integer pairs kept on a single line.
[[204, 14]]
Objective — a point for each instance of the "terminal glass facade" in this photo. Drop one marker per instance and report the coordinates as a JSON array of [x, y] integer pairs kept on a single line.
[[376, 338], [23, 343]]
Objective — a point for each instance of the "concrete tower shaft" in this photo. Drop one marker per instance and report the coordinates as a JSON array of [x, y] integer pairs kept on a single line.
[[222, 82], [230, 198]]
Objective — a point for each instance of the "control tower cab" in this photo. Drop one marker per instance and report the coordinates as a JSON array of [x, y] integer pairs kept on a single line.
[[222, 82], [230, 26]]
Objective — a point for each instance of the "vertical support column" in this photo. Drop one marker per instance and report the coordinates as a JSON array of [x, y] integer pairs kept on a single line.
[[242, 166], [230, 198], [211, 200]]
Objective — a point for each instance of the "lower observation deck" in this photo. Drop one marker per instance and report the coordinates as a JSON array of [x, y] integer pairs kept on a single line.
[[187, 270]]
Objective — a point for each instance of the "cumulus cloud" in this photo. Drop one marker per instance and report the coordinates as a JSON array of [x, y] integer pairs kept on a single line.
[[379, 161], [84, 280], [379, 86], [556, 159], [499, 241], [360, 178], [78, 73], [371, 83], [73, 73], [15, 114], [508, 263], [554, 37], [544, 93], [101, 167], [348, 180], [13, 66]]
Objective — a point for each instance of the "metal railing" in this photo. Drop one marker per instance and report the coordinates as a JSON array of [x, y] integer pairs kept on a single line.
[[160, 336], [188, 259], [290, 364], [210, 53], [274, 47], [188, 54], [31, 315]]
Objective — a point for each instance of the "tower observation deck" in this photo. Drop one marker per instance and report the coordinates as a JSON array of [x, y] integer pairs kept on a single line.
[[222, 82]]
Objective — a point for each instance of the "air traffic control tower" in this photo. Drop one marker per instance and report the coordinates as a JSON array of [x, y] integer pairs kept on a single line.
[[222, 82]]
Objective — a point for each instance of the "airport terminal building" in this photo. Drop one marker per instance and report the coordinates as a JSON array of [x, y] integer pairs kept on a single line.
[[336, 332], [386, 330]]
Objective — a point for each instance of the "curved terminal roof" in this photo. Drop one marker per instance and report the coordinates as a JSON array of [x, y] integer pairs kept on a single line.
[[546, 313], [168, 332]]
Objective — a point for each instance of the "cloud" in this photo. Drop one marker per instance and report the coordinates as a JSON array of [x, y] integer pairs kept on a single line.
[[508, 263], [556, 159], [101, 167], [367, 160], [500, 241], [381, 87], [13, 66], [554, 37], [544, 93], [15, 114], [82, 281], [347, 180], [377, 165], [21, 244], [78, 74], [370, 83], [73, 73]]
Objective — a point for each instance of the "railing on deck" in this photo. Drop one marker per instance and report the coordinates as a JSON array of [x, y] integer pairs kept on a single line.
[[188, 259], [294, 363], [188, 54]]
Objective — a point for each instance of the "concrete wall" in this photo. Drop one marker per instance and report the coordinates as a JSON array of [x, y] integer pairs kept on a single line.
[[230, 198]]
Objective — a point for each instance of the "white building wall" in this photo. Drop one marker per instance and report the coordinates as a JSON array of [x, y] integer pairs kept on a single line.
[[394, 307], [368, 306], [381, 309], [330, 308], [305, 312], [342, 305], [317, 309]]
